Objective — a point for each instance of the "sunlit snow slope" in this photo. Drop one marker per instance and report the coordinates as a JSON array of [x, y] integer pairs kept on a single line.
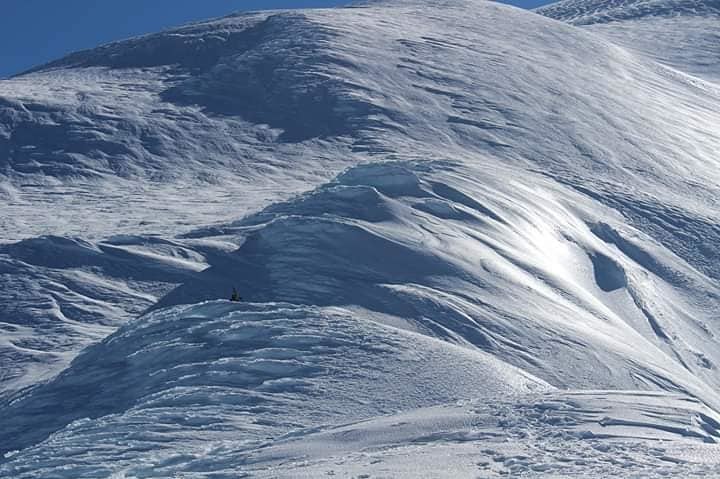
[[470, 240], [684, 34]]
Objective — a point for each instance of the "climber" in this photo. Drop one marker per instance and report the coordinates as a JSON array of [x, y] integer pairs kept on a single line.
[[235, 297]]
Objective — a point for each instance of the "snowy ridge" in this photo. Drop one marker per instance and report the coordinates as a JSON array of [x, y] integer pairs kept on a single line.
[[679, 33], [382, 91], [257, 365], [228, 387], [588, 12], [471, 240], [469, 269], [453, 254]]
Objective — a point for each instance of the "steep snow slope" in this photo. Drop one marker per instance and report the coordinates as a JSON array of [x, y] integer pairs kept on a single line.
[[680, 33], [609, 124], [228, 103], [494, 205], [121, 135]]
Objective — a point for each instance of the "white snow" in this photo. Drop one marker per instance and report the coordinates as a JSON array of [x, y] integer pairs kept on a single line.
[[472, 241], [236, 376], [683, 34]]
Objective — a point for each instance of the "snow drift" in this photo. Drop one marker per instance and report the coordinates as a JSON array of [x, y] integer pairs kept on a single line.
[[472, 240], [679, 33]]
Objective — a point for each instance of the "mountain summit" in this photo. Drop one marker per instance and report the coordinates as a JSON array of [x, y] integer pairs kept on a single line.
[[471, 240]]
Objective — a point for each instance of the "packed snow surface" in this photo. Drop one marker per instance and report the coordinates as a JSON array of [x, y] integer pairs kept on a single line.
[[471, 241], [684, 34]]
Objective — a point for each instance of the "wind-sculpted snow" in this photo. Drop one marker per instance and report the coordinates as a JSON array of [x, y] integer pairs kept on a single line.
[[529, 271], [303, 96], [228, 387], [58, 295], [234, 376], [587, 12], [680, 33], [470, 241], [601, 434]]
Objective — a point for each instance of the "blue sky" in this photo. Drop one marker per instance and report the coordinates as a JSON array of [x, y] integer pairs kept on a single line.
[[33, 32]]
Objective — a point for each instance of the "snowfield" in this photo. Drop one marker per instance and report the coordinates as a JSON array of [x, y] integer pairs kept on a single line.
[[681, 33], [471, 241]]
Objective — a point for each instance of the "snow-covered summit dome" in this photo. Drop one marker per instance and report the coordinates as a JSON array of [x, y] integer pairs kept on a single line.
[[425, 208]]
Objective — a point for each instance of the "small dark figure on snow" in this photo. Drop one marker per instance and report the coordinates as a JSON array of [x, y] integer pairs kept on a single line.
[[235, 297]]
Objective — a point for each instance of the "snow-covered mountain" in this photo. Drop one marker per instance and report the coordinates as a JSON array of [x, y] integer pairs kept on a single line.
[[471, 241], [681, 33]]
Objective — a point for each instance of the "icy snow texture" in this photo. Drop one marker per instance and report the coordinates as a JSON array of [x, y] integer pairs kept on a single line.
[[455, 223], [684, 34]]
